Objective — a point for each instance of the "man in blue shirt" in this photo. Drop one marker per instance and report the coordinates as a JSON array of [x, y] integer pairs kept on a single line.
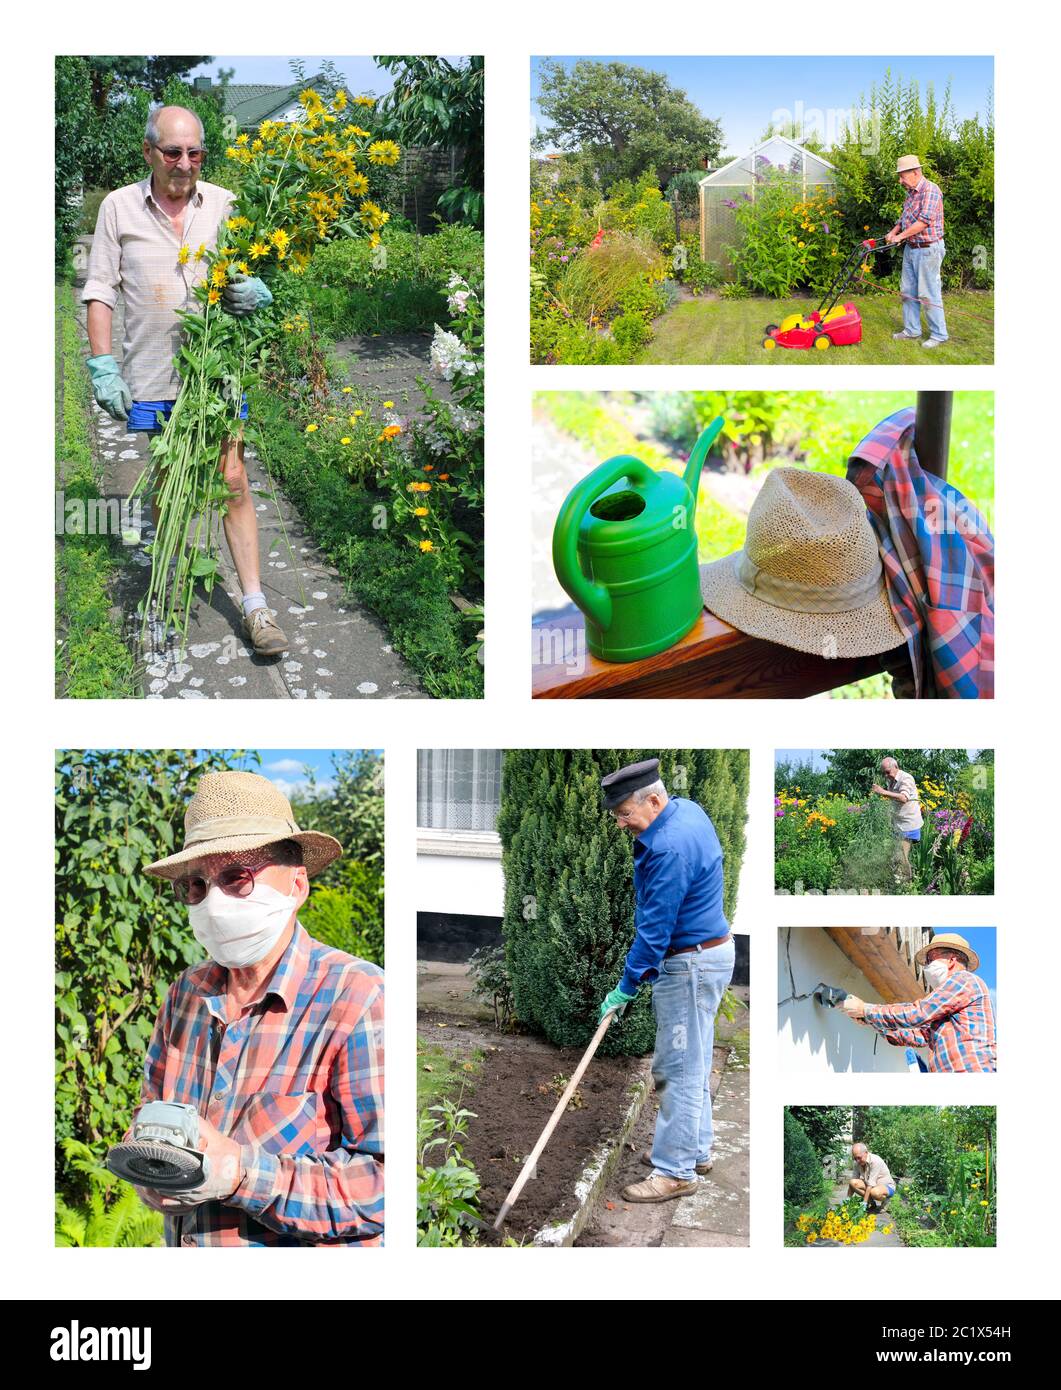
[[682, 945]]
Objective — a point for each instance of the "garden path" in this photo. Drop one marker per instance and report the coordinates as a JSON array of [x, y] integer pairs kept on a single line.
[[717, 1214], [338, 649], [386, 366], [878, 1238]]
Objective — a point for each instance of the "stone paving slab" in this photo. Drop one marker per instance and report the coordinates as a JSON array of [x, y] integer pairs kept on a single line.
[[338, 649]]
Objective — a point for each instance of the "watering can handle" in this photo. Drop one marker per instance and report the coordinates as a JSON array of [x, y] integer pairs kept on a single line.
[[594, 599]]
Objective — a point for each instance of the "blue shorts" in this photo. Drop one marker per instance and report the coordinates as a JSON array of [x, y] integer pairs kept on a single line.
[[143, 414], [891, 1188], [911, 834]]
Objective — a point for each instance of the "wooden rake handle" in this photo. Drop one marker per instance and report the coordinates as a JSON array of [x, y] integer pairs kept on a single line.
[[554, 1119]]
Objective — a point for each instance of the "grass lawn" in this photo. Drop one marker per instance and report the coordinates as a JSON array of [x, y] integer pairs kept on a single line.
[[729, 331], [440, 1076]]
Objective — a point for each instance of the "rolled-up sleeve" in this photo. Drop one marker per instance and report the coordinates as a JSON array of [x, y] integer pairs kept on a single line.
[[105, 258], [952, 995], [666, 879], [338, 1194]]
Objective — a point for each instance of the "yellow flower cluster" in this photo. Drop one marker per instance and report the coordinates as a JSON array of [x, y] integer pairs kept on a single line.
[[817, 821], [838, 1226]]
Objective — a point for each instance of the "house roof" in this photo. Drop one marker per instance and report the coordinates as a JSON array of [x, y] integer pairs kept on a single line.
[[885, 957], [793, 145], [253, 102]]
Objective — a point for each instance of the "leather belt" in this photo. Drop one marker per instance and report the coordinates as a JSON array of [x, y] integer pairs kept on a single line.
[[700, 945]]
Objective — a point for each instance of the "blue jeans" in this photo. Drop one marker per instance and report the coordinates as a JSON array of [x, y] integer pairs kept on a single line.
[[685, 999], [921, 285]]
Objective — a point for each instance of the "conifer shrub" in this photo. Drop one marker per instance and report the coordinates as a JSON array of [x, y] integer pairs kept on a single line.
[[803, 1171], [569, 891]]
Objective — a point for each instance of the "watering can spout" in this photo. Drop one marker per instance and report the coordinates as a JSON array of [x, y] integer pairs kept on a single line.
[[698, 458]]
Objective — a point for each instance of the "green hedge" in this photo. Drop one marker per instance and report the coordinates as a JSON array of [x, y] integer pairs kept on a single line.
[[803, 1171], [351, 290], [569, 894]]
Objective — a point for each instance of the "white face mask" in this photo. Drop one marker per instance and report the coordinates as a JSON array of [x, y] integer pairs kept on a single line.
[[936, 972], [241, 931]]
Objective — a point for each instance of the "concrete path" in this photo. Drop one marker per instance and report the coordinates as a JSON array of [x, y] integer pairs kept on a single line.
[[338, 650], [878, 1239], [718, 1213]]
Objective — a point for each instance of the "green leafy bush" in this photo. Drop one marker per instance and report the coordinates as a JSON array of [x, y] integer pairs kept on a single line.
[[803, 1170], [121, 938], [594, 284], [630, 331], [569, 899], [350, 917], [787, 241]]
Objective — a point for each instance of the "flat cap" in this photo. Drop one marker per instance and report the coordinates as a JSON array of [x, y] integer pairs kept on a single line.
[[617, 786]]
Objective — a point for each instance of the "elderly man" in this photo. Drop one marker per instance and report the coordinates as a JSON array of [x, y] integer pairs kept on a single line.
[[149, 244], [954, 1020], [682, 944], [920, 231], [901, 790], [276, 1040], [872, 1180]]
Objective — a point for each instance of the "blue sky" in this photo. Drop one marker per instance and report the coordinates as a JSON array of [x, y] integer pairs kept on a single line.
[[746, 93], [982, 940], [362, 76]]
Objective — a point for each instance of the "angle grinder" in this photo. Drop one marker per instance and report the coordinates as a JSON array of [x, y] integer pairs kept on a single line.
[[162, 1152]]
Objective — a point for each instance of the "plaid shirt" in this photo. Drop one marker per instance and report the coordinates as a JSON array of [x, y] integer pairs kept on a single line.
[[956, 1021], [923, 204], [939, 563], [297, 1081]]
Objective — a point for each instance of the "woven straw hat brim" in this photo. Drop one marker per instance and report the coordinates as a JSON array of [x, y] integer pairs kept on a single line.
[[318, 850], [949, 942], [866, 631]]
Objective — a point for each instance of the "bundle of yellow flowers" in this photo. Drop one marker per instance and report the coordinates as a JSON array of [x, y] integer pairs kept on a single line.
[[296, 183]]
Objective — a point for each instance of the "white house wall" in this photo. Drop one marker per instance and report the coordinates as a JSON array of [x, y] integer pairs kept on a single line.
[[459, 883], [816, 1039]]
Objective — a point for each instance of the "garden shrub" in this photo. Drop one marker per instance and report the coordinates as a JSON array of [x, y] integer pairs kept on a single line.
[[568, 868], [824, 1126], [869, 858], [808, 870], [630, 331], [349, 917], [700, 275], [593, 284], [803, 1171], [787, 242], [121, 938]]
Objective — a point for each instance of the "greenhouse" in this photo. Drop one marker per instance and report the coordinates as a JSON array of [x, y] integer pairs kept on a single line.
[[739, 179]]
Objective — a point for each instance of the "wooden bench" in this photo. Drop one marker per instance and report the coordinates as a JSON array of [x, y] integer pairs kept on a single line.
[[714, 662]]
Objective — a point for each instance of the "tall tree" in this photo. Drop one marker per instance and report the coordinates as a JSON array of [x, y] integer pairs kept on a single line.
[[147, 74], [625, 118], [436, 102]]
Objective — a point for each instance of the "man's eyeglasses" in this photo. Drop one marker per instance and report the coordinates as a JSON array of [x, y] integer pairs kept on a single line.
[[237, 880], [172, 154]]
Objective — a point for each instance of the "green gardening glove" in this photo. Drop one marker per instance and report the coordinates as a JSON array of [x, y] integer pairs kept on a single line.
[[110, 391], [618, 1001], [245, 295]]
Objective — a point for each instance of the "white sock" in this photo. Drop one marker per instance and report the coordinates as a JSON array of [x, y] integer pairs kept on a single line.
[[251, 602]]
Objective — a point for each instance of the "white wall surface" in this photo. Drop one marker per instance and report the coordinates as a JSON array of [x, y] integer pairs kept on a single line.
[[814, 1038], [455, 883]]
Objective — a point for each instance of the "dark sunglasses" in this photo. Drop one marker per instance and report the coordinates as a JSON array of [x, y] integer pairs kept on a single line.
[[172, 153], [237, 880]]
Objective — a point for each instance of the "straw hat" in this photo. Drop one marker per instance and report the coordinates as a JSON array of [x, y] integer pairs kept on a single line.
[[906, 163], [809, 575], [242, 811], [955, 943]]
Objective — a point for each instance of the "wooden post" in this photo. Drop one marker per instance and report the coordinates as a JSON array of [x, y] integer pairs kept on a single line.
[[932, 430]]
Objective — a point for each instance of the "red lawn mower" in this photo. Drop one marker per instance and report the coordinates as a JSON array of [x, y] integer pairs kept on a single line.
[[832, 324]]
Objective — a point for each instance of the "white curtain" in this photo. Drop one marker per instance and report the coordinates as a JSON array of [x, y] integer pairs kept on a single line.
[[458, 788]]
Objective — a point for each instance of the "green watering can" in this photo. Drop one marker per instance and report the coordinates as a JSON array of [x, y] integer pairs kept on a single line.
[[624, 548]]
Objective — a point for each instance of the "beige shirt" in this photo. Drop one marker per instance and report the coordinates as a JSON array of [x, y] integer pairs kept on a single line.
[[874, 1172], [907, 813], [136, 250]]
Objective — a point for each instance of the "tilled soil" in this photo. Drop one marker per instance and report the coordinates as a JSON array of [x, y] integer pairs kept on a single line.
[[514, 1094]]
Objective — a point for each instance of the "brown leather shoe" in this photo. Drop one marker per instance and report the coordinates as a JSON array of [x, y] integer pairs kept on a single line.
[[702, 1168], [264, 633], [658, 1188]]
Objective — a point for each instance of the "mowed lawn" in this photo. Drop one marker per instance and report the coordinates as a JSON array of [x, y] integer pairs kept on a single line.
[[730, 331]]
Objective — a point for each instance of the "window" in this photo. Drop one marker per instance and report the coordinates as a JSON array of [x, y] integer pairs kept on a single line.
[[458, 788]]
